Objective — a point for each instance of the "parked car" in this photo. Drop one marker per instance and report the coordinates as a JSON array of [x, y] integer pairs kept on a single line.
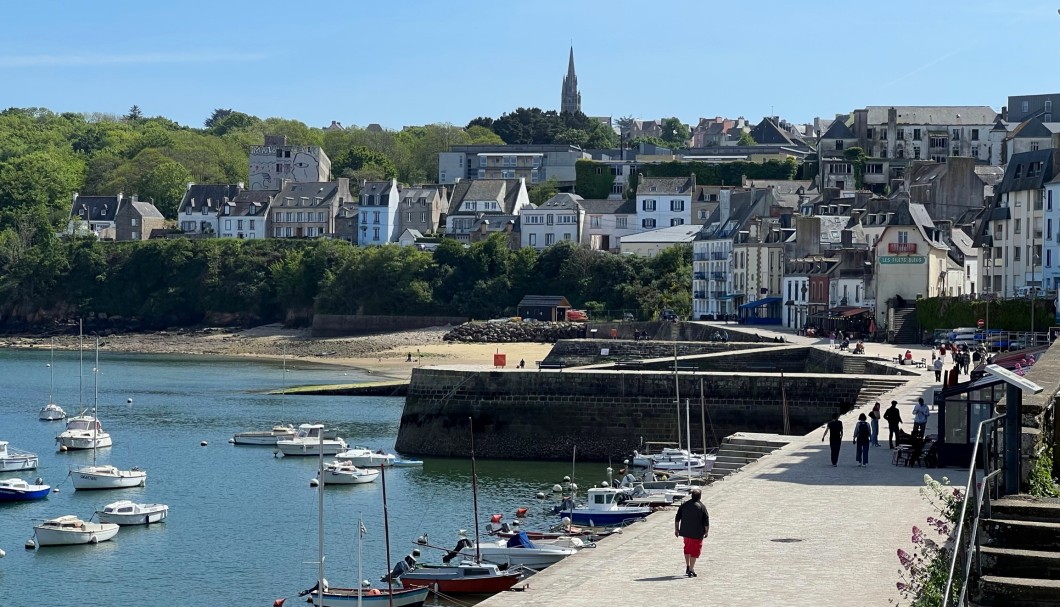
[[668, 314]]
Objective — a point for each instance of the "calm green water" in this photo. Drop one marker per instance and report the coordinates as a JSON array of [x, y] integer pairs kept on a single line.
[[242, 525]]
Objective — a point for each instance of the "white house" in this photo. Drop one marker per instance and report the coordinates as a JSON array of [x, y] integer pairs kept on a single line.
[[606, 222], [378, 212], [557, 219], [477, 199], [244, 216], [1052, 234], [652, 242], [199, 209], [664, 201]]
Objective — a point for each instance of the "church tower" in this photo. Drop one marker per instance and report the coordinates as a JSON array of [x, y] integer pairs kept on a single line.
[[570, 98]]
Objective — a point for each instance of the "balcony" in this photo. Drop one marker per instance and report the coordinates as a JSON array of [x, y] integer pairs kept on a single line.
[[699, 276], [901, 247], [719, 256], [719, 276], [700, 257], [699, 295]]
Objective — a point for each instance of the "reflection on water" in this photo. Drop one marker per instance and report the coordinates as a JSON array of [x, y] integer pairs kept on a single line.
[[242, 523]]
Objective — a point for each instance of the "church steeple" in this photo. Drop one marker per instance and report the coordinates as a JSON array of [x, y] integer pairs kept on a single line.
[[570, 98]]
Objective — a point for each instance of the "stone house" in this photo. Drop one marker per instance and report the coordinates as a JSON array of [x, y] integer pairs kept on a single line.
[[664, 201], [421, 208], [307, 210], [96, 213], [245, 215], [137, 220]]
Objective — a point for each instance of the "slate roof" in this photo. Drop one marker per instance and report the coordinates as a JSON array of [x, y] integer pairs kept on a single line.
[[1028, 180], [606, 207], [210, 194], [838, 130], [742, 208], [963, 243], [1035, 129], [325, 190], [146, 209], [251, 203], [413, 232], [96, 208], [674, 234], [788, 193], [497, 223], [378, 191], [549, 301], [916, 215], [666, 186], [504, 191], [767, 132], [989, 174], [955, 115], [561, 202]]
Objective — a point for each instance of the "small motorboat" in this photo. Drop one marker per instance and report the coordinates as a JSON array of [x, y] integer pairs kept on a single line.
[[70, 531], [13, 460], [603, 509], [18, 490], [345, 473], [125, 512], [264, 438], [107, 477], [338, 597], [366, 458], [308, 442], [465, 578], [84, 432], [406, 463], [51, 412], [520, 550]]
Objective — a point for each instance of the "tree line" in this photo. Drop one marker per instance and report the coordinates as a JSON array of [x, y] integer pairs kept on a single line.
[[181, 282]]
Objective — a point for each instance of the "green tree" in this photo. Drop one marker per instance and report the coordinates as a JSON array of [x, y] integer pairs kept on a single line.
[[856, 156], [360, 158], [674, 132], [480, 135], [46, 178], [747, 139], [540, 192], [134, 115], [165, 183]]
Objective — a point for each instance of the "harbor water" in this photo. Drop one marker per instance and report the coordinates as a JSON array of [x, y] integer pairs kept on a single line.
[[242, 526]]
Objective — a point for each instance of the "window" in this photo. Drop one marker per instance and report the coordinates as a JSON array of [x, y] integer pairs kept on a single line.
[[594, 222], [937, 142], [205, 209], [956, 151], [277, 232], [1048, 106], [620, 223], [239, 224], [566, 236], [289, 231], [916, 152], [320, 216], [482, 161], [647, 223], [304, 202], [548, 219], [310, 231], [677, 205], [1017, 226], [883, 135], [423, 217], [617, 188], [956, 134], [134, 222], [1049, 200], [375, 217], [677, 221], [868, 134], [874, 169], [1025, 106], [252, 224], [534, 219], [1034, 148], [364, 217], [702, 213], [135, 235], [903, 237], [532, 240], [975, 134], [1016, 253], [838, 144], [901, 134], [409, 216], [375, 233], [299, 216], [1048, 258], [1019, 171], [648, 205], [550, 239], [916, 134]]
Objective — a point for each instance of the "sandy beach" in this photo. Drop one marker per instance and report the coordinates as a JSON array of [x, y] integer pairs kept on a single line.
[[383, 355]]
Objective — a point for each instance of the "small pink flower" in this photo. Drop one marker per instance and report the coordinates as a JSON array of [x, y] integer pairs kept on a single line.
[[904, 558], [902, 587], [917, 534]]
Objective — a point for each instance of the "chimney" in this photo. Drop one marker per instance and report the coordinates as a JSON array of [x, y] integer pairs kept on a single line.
[[846, 238], [724, 205]]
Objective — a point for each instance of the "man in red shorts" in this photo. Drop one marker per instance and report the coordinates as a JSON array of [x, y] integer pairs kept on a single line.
[[692, 523]]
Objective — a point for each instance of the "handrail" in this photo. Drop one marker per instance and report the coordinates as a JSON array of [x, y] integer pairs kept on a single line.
[[971, 489]]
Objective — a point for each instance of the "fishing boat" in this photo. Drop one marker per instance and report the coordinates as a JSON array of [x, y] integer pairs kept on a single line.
[[345, 473], [125, 512], [366, 458], [105, 476], [279, 431], [84, 432], [51, 411], [18, 490], [322, 595], [520, 550], [468, 576], [603, 509], [71, 531], [309, 440], [13, 460]]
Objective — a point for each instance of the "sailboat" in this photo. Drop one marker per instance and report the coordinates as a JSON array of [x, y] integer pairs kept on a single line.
[[323, 595], [106, 476], [82, 431], [279, 431], [467, 577], [51, 411]]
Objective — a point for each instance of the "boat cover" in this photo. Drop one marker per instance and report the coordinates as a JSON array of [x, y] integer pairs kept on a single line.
[[520, 540]]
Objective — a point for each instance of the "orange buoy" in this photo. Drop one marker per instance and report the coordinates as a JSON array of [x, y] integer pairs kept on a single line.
[[496, 518], [520, 512]]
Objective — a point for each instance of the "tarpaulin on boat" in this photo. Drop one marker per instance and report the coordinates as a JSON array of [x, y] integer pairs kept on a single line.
[[520, 540]]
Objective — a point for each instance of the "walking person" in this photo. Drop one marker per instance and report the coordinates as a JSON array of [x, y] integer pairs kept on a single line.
[[862, 436], [831, 340], [874, 421], [834, 432], [921, 413], [692, 523], [894, 419], [938, 369]]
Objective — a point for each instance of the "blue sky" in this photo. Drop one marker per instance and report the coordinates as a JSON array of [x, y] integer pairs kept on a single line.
[[405, 62]]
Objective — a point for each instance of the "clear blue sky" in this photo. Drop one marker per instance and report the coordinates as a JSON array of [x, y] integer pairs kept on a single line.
[[405, 62]]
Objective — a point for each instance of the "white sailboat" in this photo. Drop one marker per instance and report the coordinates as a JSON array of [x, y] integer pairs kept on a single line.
[[13, 460], [309, 440], [279, 431], [345, 473], [51, 411], [322, 595], [125, 512], [106, 476], [69, 531]]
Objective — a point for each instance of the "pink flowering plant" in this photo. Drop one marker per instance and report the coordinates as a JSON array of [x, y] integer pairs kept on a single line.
[[925, 567]]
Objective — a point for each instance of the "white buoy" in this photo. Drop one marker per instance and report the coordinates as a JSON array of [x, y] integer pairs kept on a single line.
[[231, 441], [203, 444], [313, 482], [62, 448], [540, 495], [566, 479], [30, 544], [2, 554], [129, 400], [604, 484], [556, 488], [55, 490]]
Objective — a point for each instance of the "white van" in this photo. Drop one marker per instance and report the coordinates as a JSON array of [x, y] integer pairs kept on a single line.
[[1028, 291]]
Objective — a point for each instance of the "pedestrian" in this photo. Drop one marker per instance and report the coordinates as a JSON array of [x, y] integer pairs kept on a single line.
[[522, 363], [938, 369], [874, 417], [862, 437], [831, 340], [921, 413], [692, 523], [834, 432], [894, 419]]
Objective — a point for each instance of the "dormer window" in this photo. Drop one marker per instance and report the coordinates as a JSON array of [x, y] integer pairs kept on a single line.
[[205, 209]]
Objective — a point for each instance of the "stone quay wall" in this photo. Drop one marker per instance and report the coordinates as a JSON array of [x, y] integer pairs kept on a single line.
[[543, 415], [576, 352], [341, 325]]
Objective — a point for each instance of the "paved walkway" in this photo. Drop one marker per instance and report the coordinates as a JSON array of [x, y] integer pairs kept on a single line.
[[847, 523]]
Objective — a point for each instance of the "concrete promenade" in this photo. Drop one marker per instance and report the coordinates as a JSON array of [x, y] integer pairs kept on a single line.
[[788, 530]]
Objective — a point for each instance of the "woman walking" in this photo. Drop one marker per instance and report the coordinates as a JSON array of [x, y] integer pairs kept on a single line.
[[834, 431], [862, 436], [874, 417]]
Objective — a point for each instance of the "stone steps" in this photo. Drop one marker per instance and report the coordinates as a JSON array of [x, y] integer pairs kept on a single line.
[[1026, 535], [1018, 592], [1012, 562], [736, 452], [1021, 554]]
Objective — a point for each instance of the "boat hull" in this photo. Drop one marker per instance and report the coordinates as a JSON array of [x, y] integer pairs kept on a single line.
[[144, 518], [534, 558], [334, 597], [83, 443], [374, 460], [332, 477], [18, 495], [92, 535], [16, 463], [463, 585], [306, 449], [51, 415], [84, 480], [605, 518]]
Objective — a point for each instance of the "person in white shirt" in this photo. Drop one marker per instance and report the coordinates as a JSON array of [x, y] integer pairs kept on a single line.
[[921, 413]]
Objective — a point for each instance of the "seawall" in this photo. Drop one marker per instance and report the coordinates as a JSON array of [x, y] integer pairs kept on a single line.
[[340, 325]]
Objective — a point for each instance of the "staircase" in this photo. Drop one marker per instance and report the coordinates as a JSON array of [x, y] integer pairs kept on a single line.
[[1021, 554], [906, 328], [736, 452], [872, 389]]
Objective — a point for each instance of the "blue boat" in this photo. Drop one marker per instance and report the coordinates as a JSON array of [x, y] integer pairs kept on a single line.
[[603, 510], [18, 490]]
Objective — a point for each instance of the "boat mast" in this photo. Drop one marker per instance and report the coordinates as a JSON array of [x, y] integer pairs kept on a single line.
[[81, 367], [474, 487], [95, 399], [283, 393], [688, 433], [51, 366], [360, 574], [386, 533], [320, 521], [677, 391]]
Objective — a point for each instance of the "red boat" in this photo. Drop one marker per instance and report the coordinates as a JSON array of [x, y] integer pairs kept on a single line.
[[465, 578]]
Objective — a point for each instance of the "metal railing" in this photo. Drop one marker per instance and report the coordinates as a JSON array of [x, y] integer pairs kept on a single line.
[[965, 541]]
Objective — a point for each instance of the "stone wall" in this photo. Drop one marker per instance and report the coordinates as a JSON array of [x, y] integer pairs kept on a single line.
[[576, 352], [674, 331], [607, 414], [340, 325], [1041, 425]]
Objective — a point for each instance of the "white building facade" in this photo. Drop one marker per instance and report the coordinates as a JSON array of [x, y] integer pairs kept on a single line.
[[663, 202]]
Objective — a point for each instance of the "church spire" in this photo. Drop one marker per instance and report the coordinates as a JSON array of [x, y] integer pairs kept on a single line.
[[570, 97]]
